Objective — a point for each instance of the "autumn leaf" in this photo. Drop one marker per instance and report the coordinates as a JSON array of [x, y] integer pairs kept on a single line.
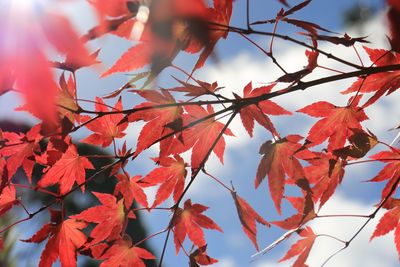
[[202, 88], [68, 169], [171, 175], [135, 58], [66, 98], [201, 136], [7, 199], [20, 150], [258, 112], [248, 218], [337, 122], [189, 221], [301, 248], [30, 42], [65, 239], [326, 173], [390, 221], [131, 189], [123, 254], [379, 83], [160, 121], [109, 217], [278, 161], [220, 14], [200, 257], [390, 172], [106, 128]]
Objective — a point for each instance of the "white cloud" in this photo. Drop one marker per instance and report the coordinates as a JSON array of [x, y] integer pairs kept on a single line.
[[226, 262]]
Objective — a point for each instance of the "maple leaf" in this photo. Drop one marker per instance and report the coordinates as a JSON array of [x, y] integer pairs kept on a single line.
[[135, 58], [131, 189], [20, 150], [379, 83], [304, 206], [123, 254], [302, 247], [200, 257], [201, 136], [390, 221], [65, 239], [7, 199], [221, 15], [360, 144], [66, 98], [171, 175], [248, 218], [390, 172], [29, 40], [189, 221], [68, 169], [160, 121], [109, 217], [326, 173], [258, 112], [203, 88], [337, 122], [279, 159], [106, 128]]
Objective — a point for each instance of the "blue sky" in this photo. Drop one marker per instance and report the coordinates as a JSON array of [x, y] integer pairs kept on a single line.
[[240, 63]]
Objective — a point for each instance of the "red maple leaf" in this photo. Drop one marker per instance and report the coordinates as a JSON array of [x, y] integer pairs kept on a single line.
[[326, 173], [20, 150], [337, 122], [135, 58], [68, 169], [123, 254], [390, 221], [65, 239], [131, 189], [201, 136], [258, 112], [220, 15], [106, 128], [203, 88], [29, 42], [390, 172], [301, 248], [109, 217], [379, 83], [7, 199], [279, 159], [160, 121], [189, 221], [200, 257], [66, 98], [248, 218], [171, 175]]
